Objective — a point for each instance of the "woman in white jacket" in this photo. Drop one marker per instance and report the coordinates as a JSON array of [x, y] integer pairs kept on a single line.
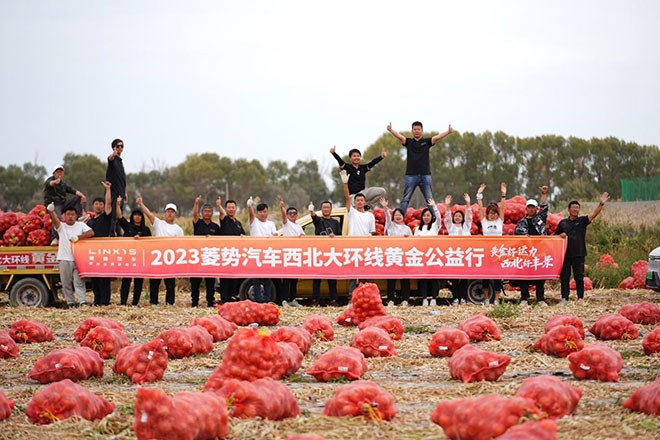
[[429, 225], [395, 226], [458, 223]]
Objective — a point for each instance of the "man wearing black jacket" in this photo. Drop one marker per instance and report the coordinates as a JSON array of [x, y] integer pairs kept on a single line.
[[116, 175], [357, 175]]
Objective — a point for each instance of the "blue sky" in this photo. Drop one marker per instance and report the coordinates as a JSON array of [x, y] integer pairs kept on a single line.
[[287, 80]]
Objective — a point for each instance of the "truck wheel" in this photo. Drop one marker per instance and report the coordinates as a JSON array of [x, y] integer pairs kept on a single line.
[[249, 289], [477, 293], [30, 292]]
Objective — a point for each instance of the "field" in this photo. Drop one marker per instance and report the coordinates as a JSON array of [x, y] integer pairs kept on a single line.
[[417, 380]]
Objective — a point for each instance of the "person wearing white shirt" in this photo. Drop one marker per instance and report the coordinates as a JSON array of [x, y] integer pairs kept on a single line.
[[458, 223], [290, 229], [162, 228], [429, 226], [69, 232], [260, 226], [492, 224], [395, 226]]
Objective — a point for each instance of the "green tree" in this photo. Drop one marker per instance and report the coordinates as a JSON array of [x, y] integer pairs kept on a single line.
[[21, 187], [85, 172]]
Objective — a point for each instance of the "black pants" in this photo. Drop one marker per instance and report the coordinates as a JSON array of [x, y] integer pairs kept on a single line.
[[115, 229], [154, 286], [540, 289], [126, 286], [458, 289], [316, 289], [577, 264], [289, 289], [427, 288], [228, 289], [405, 289], [195, 284], [101, 289]]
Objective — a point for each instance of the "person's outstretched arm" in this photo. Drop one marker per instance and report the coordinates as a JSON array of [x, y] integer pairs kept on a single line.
[[347, 194], [480, 203], [221, 211], [604, 197], [440, 136], [396, 134], [468, 211], [51, 210], [337, 157], [503, 191], [108, 198], [148, 214], [283, 211], [448, 216], [250, 205], [198, 199], [375, 160]]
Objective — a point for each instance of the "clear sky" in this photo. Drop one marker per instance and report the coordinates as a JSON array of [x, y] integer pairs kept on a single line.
[[288, 79]]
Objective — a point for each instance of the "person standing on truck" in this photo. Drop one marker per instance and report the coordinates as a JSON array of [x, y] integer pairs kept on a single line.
[[395, 226], [136, 228], [204, 227], [116, 175], [575, 229], [290, 229], [418, 165], [357, 175], [260, 226], [458, 223], [534, 224], [429, 226], [492, 224], [69, 232], [162, 228], [327, 226], [229, 225], [101, 222], [55, 192]]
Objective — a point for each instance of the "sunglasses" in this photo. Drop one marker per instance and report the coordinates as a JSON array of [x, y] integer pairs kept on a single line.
[[119, 146], [292, 213]]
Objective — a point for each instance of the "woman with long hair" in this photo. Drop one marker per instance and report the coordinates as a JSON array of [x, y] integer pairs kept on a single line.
[[492, 225], [395, 226], [429, 225], [458, 223]]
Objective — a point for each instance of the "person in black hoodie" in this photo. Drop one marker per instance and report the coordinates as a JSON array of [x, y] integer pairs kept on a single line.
[[134, 228]]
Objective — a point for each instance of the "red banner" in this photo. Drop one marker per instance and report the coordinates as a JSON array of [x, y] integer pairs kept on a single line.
[[507, 257]]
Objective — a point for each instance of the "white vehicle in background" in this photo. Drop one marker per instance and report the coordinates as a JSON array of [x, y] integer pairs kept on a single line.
[[653, 274]]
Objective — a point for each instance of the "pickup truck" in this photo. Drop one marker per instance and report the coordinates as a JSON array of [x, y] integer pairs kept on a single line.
[[30, 274]]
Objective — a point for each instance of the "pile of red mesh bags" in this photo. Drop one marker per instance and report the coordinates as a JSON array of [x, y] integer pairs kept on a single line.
[[361, 398], [560, 341], [551, 395], [651, 342], [64, 399], [8, 348], [67, 363], [6, 406], [391, 324], [265, 398], [301, 337], [248, 312], [374, 342], [614, 326], [480, 328], [446, 341], [641, 313], [27, 332], [597, 362], [142, 363], [557, 320], [645, 399], [471, 364], [320, 327], [365, 303], [217, 326], [186, 416], [90, 323], [187, 341], [105, 341], [339, 363]]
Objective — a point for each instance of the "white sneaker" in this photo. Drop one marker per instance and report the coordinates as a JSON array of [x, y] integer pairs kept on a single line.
[[523, 303], [390, 304], [433, 303], [563, 302], [404, 303], [542, 304], [425, 302], [295, 303], [456, 301], [285, 304]]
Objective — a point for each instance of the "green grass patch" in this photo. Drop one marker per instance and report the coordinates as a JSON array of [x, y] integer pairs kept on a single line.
[[419, 329], [504, 310]]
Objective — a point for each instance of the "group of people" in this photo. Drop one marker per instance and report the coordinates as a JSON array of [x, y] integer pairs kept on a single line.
[[106, 219]]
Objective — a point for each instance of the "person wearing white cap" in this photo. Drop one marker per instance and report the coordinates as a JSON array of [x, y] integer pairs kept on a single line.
[[55, 192], [534, 224], [162, 228]]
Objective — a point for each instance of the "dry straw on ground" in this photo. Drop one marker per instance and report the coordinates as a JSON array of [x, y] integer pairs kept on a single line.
[[418, 381]]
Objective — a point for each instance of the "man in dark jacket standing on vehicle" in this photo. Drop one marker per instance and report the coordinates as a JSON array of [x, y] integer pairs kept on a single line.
[[534, 224], [116, 175]]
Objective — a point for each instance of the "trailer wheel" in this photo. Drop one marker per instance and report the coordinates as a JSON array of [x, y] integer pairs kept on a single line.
[[477, 293], [248, 290], [29, 292]]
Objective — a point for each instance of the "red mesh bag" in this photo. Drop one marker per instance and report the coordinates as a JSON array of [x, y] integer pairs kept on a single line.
[[217, 326], [265, 398], [551, 395], [248, 312], [90, 323], [292, 356], [651, 342], [605, 261], [6, 406], [597, 362], [588, 284], [560, 341], [542, 430], [642, 313], [347, 318], [251, 354], [366, 302], [627, 283], [481, 418], [320, 327], [39, 237], [105, 341], [645, 399], [391, 324], [361, 398], [471, 364], [26, 332], [67, 363], [142, 363], [480, 328], [446, 341], [8, 347], [64, 399], [374, 342], [557, 320], [638, 270], [186, 416], [613, 326], [186, 341], [339, 363], [301, 337]]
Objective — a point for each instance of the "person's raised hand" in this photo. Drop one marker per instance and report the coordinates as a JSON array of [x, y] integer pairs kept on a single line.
[[139, 201], [118, 200], [332, 150], [481, 188], [198, 199], [430, 202], [106, 184], [450, 130], [344, 176], [310, 207], [604, 197], [503, 188], [389, 127], [447, 200], [383, 202], [383, 154], [50, 207], [250, 202]]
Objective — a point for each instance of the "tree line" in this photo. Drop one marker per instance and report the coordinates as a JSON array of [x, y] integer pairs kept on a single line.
[[574, 168]]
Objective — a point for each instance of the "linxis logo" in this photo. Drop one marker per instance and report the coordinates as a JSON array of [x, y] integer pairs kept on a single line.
[[113, 257]]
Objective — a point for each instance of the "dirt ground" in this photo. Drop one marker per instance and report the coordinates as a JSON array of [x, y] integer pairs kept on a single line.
[[417, 380]]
